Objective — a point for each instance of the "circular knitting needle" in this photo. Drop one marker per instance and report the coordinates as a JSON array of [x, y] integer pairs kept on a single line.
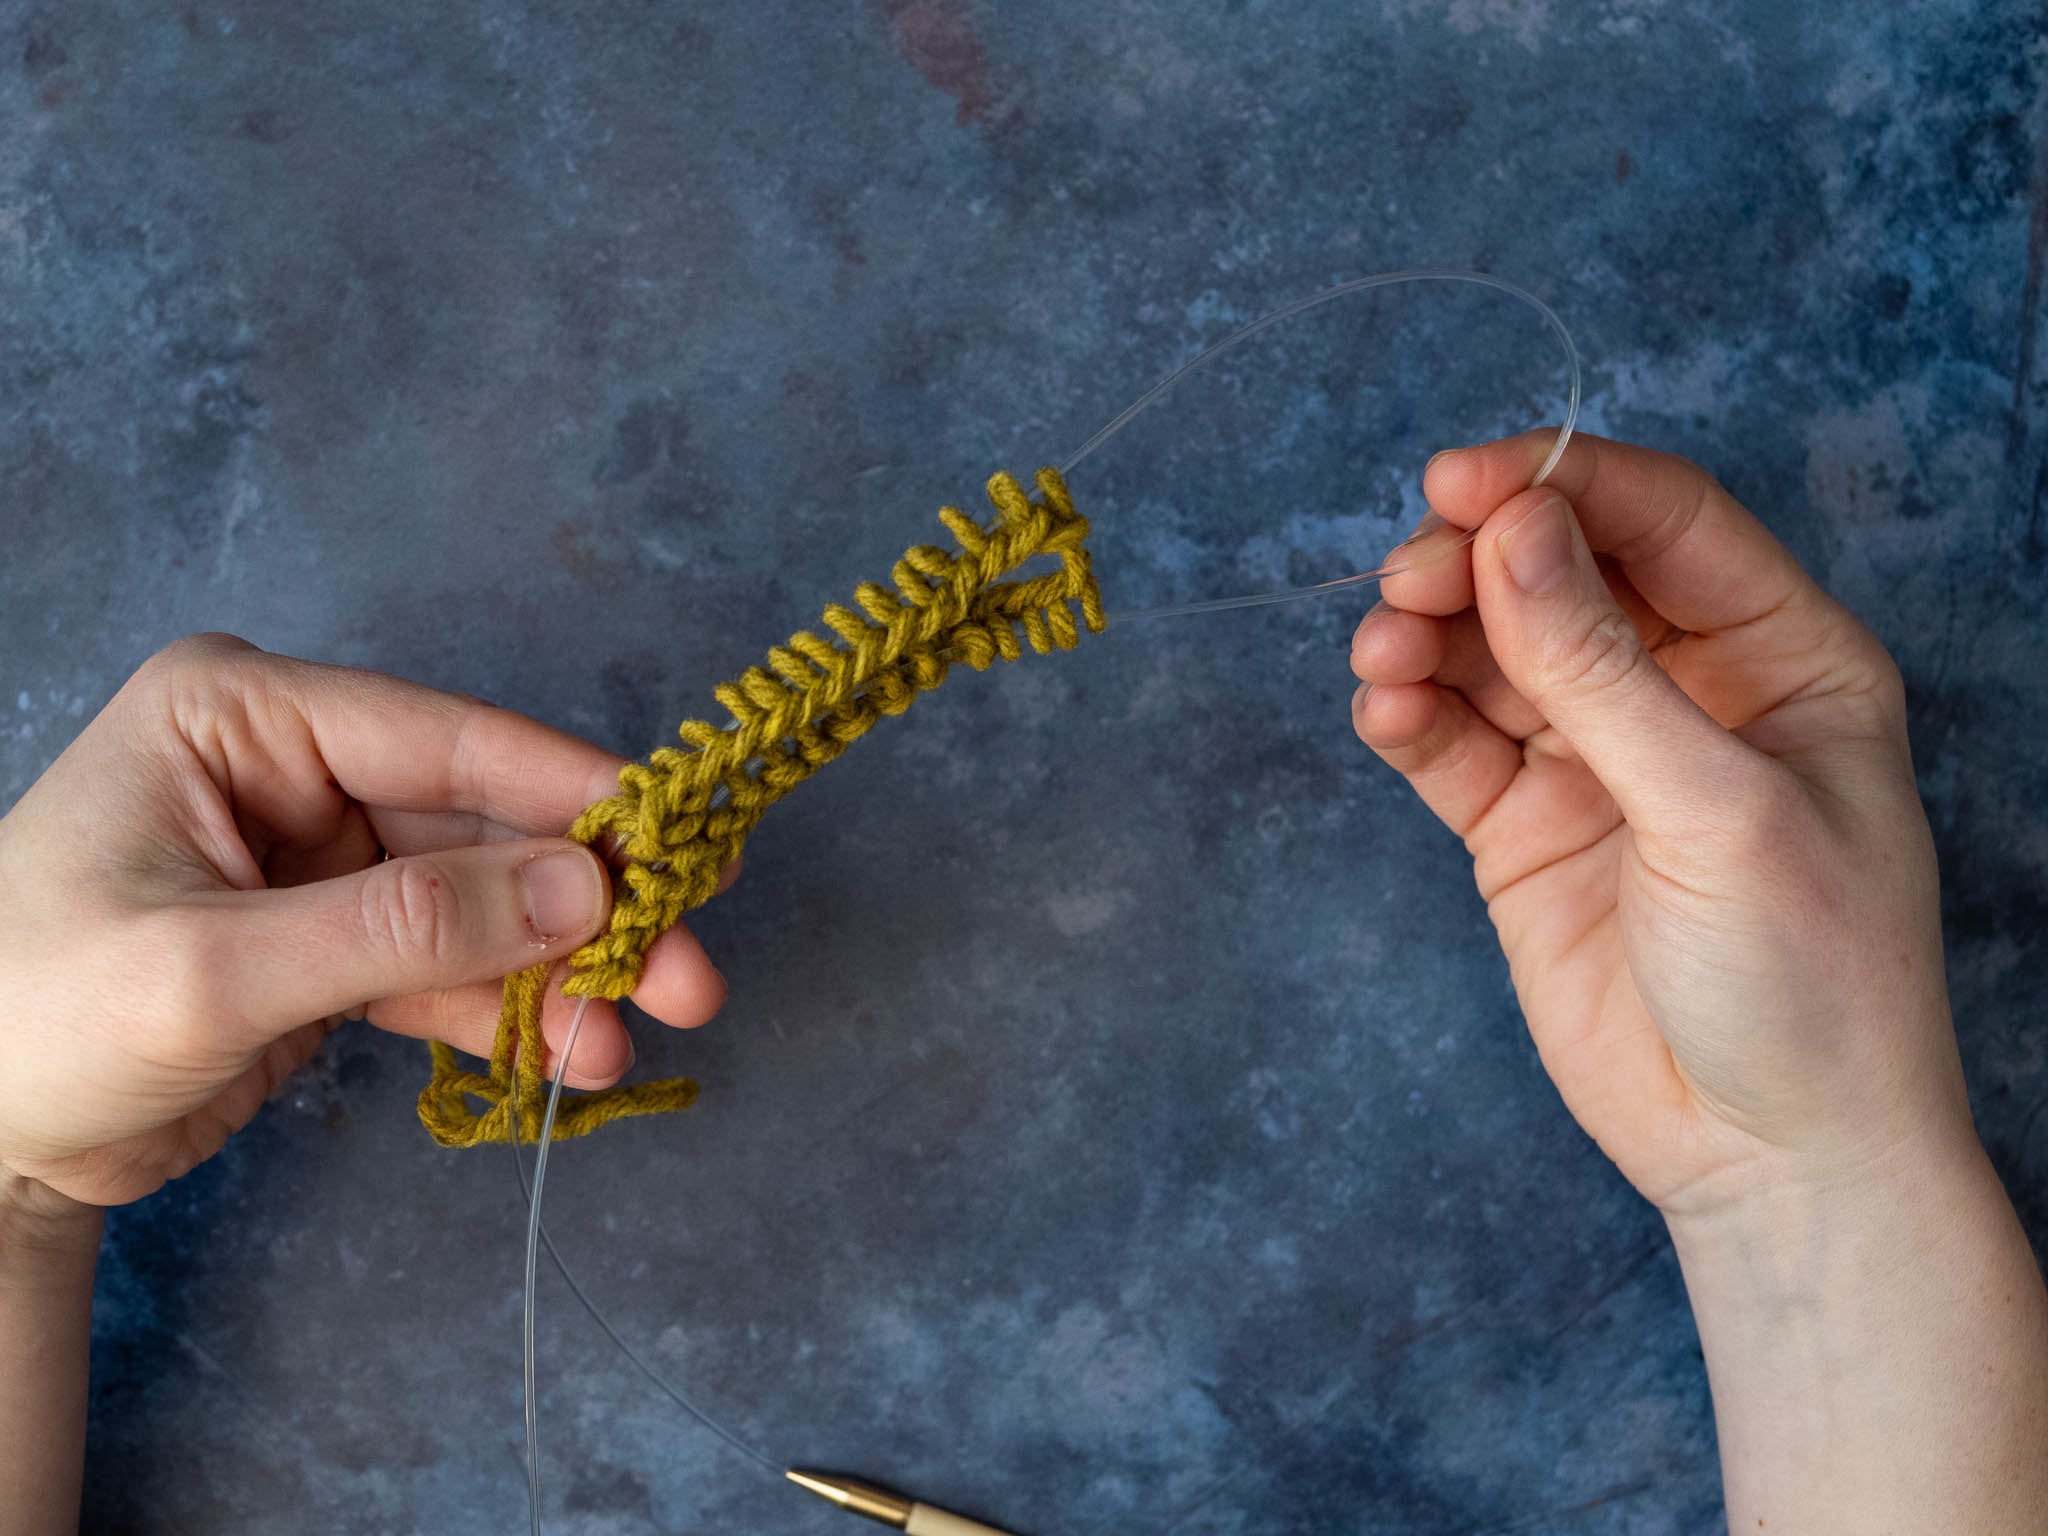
[[920, 1520], [540, 1173]]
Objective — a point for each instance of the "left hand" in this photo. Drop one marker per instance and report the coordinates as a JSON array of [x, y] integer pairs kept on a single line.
[[196, 892]]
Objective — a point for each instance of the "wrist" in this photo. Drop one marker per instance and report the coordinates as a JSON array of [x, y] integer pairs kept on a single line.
[[1876, 1342], [1803, 1238], [45, 1237]]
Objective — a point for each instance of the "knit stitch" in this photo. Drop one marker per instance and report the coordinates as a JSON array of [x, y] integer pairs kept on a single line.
[[680, 818]]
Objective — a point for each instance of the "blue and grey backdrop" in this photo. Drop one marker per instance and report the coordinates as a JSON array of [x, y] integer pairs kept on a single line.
[[1122, 1121]]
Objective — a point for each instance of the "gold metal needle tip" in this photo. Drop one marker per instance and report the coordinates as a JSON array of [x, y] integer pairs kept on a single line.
[[856, 1498]]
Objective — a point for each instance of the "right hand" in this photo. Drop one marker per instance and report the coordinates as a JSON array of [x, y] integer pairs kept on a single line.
[[1682, 773]]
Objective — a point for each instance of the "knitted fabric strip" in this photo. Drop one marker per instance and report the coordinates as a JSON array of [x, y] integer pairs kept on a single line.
[[683, 815]]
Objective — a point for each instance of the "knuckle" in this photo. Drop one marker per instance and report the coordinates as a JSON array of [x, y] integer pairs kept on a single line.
[[1769, 822], [196, 675], [1860, 674], [1690, 473], [208, 648], [1686, 481], [1877, 668], [1885, 686], [1601, 653], [1675, 492], [412, 910]]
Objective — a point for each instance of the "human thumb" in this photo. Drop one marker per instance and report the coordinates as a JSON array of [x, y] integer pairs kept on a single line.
[[1564, 643], [415, 924]]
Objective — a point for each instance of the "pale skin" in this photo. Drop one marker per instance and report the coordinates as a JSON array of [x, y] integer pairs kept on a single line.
[[171, 964], [1682, 777]]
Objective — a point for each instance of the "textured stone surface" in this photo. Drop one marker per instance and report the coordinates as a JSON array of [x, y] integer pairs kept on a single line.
[[1122, 1120]]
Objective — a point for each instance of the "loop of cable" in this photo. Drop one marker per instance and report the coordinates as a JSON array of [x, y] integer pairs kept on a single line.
[[535, 1234]]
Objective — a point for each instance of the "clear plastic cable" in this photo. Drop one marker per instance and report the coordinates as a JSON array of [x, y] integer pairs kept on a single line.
[[540, 1174], [675, 1394], [536, 1236], [1287, 311]]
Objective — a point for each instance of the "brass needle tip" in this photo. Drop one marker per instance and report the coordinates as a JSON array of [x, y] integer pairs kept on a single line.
[[825, 1488], [856, 1498]]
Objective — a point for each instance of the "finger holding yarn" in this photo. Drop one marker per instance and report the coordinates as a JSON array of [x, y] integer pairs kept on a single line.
[[682, 817]]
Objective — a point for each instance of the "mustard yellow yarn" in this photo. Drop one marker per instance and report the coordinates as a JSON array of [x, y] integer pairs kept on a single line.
[[683, 815]]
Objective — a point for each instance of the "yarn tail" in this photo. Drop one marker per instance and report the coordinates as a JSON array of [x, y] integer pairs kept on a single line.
[[519, 1058]]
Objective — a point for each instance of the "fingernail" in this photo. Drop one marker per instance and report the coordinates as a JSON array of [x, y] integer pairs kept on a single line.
[[564, 893], [632, 1052], [1538, 549]]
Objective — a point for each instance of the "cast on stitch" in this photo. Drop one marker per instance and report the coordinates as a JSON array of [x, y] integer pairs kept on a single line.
[[683, 815]]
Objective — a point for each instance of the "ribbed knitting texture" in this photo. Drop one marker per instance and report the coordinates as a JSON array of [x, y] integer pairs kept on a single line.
[[680, 818]]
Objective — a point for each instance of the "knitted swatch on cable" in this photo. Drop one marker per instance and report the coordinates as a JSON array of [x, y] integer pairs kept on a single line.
[[680, 818]]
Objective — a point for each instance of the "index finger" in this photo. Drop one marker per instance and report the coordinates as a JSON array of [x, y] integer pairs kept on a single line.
[[389, 742], [1695, 554]]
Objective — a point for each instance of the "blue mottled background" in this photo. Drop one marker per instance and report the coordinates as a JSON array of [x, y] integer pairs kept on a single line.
[[1122, 1121]]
